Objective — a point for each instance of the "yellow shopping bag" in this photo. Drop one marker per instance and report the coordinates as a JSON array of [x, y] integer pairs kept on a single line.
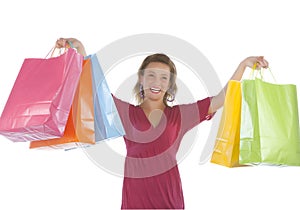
[[226, 149]]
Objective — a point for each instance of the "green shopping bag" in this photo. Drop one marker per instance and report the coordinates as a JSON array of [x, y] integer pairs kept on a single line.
[[269, 124]]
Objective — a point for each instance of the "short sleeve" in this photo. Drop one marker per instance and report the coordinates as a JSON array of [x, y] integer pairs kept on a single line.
[[203, 107], [195, 113], [123, 109]]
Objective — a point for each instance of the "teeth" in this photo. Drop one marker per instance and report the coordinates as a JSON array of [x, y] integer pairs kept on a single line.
[[155, 90]]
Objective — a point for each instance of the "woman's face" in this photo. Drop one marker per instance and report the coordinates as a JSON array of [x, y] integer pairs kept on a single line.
[[156, 80]]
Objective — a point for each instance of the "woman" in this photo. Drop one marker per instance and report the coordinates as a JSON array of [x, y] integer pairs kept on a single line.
[[154, 131]]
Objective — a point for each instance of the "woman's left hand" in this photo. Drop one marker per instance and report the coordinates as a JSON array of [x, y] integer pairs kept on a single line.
[[260, 62], [63, 42], [218, 100]]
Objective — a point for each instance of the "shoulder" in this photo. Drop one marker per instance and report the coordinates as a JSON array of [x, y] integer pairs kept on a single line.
[[195, 109], [202, 103], [121, 103]]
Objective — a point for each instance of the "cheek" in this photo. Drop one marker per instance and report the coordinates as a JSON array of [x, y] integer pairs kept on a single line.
[[147, 82], [165, 85]]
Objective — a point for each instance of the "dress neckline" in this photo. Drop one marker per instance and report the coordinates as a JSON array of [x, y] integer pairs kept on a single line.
[[162, 118]]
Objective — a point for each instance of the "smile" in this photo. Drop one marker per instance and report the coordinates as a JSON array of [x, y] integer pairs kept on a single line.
[[155, 90]]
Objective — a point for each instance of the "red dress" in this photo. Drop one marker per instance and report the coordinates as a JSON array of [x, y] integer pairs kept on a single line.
[[151, 176]]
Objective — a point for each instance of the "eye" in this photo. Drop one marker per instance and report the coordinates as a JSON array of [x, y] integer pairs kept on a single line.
[[165, 77], [150, 75]]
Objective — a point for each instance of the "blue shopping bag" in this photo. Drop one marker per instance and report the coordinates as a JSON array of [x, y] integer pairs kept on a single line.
[[107, 120]]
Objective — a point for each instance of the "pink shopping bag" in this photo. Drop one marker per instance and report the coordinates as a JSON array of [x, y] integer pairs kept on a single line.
[[40, 100]]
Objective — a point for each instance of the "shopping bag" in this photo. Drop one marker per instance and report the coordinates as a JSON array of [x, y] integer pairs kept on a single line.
[[108, 124], [269, 124], [227, 145], [67, 141], [40, 100], [79, 130]]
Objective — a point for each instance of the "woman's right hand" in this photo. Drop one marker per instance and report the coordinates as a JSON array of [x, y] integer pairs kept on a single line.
[[63, 42]]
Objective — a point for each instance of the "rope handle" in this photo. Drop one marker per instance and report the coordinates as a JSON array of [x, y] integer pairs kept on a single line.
[[69, 44], [260, 72]]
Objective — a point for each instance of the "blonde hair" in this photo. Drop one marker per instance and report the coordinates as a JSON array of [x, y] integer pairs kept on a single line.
[[161, 58]]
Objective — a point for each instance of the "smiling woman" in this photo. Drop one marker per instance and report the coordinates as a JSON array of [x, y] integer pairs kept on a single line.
[[154, 131], [158, 69]]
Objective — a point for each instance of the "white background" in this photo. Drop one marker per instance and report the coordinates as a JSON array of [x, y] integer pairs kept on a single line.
[[224, 31]]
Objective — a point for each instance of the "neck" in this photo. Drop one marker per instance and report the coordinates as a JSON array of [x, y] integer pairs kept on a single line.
[[152, 105]]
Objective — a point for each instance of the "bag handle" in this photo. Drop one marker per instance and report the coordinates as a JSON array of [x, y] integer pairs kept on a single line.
[[61, 50], [260, 71]]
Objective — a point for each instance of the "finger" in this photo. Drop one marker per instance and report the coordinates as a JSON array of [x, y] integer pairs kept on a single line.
[[61, 42], [259, 58], [265, 63], [258, 66], [261, 62], [58, 42]]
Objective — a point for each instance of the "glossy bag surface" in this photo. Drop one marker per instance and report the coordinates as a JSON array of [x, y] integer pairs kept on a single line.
[[269, 124], [80, 126], [226, 149], [40, 100], [107, 119]]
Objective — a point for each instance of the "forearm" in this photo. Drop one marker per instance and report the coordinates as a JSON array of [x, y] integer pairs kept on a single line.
[[237, 75], [218, 100], [82, 51], [78, 45]]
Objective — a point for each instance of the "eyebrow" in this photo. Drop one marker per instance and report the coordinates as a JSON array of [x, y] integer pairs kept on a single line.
[[152, 71]]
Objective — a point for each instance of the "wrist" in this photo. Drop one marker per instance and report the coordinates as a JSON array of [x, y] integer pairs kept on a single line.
[[78, 46]]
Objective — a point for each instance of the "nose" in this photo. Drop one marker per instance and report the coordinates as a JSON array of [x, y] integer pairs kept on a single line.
[[158, 82]]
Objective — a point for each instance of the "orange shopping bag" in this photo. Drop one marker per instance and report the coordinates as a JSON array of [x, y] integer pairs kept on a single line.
[[80, 125]]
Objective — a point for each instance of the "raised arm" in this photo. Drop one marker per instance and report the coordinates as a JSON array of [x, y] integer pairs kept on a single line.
[[218, 100], [62, 42]]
